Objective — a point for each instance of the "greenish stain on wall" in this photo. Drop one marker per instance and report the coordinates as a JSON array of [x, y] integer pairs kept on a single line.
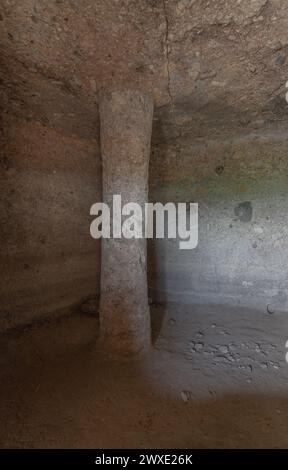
[[220, 188]]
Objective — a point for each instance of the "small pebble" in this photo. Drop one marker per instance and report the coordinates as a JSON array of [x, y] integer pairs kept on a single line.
[[223, 349], [186, 396]]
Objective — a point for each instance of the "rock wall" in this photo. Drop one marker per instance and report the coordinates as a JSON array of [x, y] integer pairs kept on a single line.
[[50, 263], [48, 260], [217, 71], [241, 187]]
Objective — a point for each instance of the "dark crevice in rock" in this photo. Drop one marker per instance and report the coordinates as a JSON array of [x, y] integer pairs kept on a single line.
[[167, 50]]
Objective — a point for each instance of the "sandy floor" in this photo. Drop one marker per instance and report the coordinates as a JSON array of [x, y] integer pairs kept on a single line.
[[217, 377]]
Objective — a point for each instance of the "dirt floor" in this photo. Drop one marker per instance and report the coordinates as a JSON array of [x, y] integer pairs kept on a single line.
[[217, 377]]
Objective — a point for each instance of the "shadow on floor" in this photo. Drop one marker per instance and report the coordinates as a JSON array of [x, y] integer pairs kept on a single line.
[[57, 391]]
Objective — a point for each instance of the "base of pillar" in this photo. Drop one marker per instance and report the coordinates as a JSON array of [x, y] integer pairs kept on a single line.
[[129, 343]]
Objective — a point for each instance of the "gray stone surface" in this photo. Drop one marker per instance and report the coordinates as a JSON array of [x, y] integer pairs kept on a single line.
[[126, 125], [241, 257]]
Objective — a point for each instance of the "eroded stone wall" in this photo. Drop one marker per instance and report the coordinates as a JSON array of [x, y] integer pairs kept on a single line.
[[48, 260], [217, 72], [241, 187]]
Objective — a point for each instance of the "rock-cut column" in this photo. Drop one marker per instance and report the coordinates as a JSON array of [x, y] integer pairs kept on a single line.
[[125, 133]]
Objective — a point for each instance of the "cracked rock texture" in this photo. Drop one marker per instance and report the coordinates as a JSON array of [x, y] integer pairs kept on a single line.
[[217, 72]]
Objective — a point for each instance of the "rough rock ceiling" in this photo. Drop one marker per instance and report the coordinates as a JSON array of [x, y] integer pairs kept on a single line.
[[211, 65]]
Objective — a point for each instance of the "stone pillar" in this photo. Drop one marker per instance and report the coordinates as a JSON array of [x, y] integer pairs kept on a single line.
[[125, 133]]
